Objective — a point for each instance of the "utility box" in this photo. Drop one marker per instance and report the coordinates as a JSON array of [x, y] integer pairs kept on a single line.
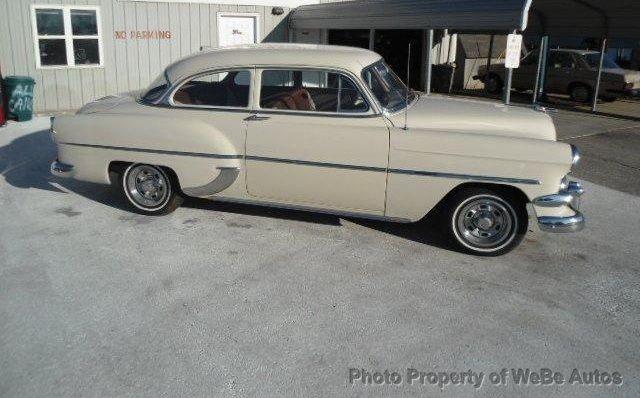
[[18, 92]]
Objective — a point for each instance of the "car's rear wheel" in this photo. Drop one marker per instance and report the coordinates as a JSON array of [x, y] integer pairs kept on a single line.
[[485, 222], [149, 189], [580, 93]]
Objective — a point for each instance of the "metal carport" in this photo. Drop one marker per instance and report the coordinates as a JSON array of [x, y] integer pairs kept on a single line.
[[610, 19]]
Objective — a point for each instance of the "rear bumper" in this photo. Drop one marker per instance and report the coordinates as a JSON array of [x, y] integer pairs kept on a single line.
[[60, 169], [568, 197]]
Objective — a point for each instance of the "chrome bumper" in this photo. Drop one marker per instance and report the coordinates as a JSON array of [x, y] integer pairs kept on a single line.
[[59, 169], [570, 196]]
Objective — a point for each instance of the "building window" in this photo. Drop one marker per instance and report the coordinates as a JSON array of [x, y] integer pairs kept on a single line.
[[67, 36]]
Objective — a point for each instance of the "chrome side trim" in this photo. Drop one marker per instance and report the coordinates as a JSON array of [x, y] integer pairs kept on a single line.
[[562, 224], [469, 177], [317, 164], [158, 151], [225, 178]]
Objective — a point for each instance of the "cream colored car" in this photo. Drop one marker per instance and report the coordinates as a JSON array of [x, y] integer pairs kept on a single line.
[[328, 129]]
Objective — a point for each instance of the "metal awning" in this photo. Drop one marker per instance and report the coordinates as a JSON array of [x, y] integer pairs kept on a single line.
[[577, 18], [472, 15]]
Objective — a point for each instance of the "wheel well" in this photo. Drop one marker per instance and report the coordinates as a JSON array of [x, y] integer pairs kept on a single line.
[[117, 167], [574, 84], [509, 190]]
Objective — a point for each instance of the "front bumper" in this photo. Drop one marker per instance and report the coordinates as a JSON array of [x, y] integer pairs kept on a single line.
[[569, 196], [60, 169]]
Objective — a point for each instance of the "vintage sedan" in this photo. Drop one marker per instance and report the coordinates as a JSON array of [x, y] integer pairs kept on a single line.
[[328, 129], [572, 72]]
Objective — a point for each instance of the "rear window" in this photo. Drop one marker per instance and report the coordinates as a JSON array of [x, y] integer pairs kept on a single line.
[[156, 89]]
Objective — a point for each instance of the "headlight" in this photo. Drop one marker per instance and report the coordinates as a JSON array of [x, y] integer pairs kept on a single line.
[[575, 155]]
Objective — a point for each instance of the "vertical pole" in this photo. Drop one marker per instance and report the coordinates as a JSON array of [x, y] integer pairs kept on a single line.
[[372, 36], [541, 52], [490, 56], [507, 87], [427, 83], [449, 62], [543, 71], [594, 104]]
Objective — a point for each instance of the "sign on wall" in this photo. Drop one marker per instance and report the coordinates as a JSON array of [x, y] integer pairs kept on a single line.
[[514, 51], [237, 28]]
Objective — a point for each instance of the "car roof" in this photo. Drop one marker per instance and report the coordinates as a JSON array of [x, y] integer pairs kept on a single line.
[[575, 51], [273, 54]]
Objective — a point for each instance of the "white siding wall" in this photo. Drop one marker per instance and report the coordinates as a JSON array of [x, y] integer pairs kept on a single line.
[[128, 64]]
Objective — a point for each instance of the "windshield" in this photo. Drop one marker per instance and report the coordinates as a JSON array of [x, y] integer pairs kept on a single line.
[[387, 86], [593, 60], [156, 89]]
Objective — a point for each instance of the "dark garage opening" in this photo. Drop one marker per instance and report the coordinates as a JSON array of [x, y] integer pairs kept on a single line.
[[393, 45], [349, 37]]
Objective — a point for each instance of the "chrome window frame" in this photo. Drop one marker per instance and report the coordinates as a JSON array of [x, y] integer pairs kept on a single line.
[[372, 111], [167, 99], [386, 111]]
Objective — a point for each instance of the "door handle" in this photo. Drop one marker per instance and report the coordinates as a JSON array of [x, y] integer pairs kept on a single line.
[[256, 117]]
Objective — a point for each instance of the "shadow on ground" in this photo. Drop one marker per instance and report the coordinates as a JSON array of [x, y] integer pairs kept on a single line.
[[25, 164]]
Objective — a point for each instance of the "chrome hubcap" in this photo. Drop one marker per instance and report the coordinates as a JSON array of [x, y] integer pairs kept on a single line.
[[485, 222], [147, 186]]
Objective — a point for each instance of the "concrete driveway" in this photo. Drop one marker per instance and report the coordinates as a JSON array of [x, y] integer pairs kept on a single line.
[[235, 301]]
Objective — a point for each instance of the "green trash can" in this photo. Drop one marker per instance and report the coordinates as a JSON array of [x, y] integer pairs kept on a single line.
[[18, 91]]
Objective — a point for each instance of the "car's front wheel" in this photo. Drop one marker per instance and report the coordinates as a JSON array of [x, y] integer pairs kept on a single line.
[[149, 189], [580, 93], [485, 222]]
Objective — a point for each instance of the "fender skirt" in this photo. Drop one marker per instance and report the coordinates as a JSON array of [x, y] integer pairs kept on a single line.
[[227, 176]]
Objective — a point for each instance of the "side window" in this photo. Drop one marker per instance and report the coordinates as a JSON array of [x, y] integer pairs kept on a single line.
[[311, 91], [560, 60], [225, 89]]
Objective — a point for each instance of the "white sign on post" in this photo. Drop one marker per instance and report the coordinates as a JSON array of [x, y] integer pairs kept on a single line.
[[514, 51]]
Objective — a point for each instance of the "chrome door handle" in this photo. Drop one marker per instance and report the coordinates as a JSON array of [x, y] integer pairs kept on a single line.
[[256, 117]]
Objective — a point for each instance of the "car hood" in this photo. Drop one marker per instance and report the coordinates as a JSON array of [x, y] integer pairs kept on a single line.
[[108, 103], [444, 113]]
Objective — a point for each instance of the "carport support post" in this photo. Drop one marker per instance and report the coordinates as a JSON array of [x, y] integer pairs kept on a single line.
[[542, 63], [603, 48], [427, 77], [490, 56]]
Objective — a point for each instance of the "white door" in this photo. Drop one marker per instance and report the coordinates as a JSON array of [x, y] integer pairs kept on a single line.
[[236, 29]]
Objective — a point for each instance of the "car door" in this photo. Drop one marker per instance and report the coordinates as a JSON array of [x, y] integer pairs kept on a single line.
[[562, 67], [209, 112], [524, 77], [316, 141]]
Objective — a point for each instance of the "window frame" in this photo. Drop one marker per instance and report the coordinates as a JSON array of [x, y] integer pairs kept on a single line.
[[174, 89], [372, 109], [68, 36]]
